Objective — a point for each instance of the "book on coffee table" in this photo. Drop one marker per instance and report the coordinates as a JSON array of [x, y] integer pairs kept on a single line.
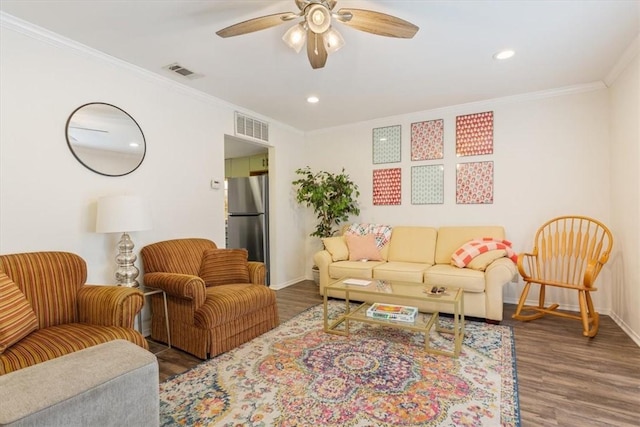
[[401, 313]]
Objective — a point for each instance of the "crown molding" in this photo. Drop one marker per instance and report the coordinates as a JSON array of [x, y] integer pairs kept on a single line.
[[41, 34], [629, 54], [477, 105]]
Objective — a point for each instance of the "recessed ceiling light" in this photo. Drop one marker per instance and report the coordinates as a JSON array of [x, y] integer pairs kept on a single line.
[[312, 99], [504, 54]]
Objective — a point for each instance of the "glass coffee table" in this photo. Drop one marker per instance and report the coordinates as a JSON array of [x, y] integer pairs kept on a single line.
[[389, 292]]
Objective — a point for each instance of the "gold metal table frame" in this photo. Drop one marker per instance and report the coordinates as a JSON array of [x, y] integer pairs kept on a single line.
[[388, 292]]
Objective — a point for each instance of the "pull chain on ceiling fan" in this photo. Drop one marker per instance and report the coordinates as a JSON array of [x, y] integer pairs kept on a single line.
[[316, 30]]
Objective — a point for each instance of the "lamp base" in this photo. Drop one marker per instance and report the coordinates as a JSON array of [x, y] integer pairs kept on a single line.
[[127, 272]]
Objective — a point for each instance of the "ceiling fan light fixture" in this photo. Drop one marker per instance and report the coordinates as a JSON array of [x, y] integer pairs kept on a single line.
[[333, 40], [318, 18], [295, 37]]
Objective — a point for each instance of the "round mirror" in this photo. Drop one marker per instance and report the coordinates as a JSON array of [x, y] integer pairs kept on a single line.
[[105, 139]]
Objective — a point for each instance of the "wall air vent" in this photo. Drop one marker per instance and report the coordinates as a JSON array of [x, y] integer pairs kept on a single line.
[[184, 72], [253, 128]]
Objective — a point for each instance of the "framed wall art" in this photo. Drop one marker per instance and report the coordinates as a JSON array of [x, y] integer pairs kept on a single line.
[[474, 183], [387, 186], [386, 144], [474, 134], [427, 140], [427, 185]]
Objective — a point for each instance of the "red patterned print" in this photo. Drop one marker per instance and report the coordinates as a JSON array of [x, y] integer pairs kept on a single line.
[[474, 183], [474, 134], [427, 140], [387, 186]]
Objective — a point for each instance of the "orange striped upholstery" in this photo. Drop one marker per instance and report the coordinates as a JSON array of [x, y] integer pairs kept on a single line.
[[17, 319], [223, 266], [50, 281], [70, 314], [182, 256], [205, 321], [56, 341]]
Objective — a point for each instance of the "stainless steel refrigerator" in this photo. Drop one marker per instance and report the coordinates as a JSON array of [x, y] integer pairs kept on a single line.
[[248, 217]]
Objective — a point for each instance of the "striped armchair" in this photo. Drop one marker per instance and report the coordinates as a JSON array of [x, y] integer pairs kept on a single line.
[[216, 299], [47, 310]]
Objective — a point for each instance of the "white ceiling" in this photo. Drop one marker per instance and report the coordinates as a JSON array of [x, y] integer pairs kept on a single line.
[[448, 62]]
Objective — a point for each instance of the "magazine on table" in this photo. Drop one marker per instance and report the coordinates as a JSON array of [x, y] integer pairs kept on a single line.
[[402, 313]]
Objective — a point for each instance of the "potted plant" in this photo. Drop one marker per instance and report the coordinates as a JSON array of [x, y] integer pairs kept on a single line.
[[333, 197]]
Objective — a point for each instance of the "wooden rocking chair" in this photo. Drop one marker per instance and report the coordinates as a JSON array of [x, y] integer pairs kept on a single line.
[[568, 252]]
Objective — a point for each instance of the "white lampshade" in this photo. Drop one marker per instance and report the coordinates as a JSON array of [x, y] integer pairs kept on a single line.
[[122, 214], [295, 37], [332, 40]]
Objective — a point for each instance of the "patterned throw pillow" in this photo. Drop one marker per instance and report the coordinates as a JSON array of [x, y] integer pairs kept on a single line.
[[224, 266], [17, 318]]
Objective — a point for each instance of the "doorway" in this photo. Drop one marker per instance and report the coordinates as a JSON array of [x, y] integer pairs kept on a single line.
[[246, 198]]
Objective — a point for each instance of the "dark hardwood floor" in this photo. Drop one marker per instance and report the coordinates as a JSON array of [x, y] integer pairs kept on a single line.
[[564, 379]]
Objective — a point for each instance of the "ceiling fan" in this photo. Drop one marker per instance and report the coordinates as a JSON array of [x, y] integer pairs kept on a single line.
[[316, 30]]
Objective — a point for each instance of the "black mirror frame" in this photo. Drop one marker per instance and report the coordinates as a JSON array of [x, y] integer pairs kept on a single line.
[[66, 129]]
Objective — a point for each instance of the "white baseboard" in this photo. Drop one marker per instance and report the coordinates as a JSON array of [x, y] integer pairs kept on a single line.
[[287, 283]]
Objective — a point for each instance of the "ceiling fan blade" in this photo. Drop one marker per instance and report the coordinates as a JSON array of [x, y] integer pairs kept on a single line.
[[377, 23], [316, 50], [332, 4], [256, 24]]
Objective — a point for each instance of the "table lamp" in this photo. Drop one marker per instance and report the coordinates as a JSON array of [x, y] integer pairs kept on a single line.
[[123, 214]]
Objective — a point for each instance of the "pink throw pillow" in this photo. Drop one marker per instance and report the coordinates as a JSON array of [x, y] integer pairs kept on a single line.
[[363, 248]]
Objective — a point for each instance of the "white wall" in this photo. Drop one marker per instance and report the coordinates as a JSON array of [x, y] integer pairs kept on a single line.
[[551, 157], [625, 195], [47, 198]]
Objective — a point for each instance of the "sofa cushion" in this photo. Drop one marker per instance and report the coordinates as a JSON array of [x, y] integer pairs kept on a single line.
[[233, 302], [402, 271], [337, 247], [355, 269], [413, 244], [451, 238], [482, 261], [450, 276], [224, 266], [17, 318], [363, 247]]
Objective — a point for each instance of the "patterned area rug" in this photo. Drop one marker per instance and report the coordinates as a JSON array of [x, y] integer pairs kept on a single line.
[[296, 375]]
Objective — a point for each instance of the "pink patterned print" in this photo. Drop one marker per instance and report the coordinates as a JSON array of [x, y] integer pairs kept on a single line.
[[387, 185], [474, 134], [467, 252], [427, 140], [474, 183]]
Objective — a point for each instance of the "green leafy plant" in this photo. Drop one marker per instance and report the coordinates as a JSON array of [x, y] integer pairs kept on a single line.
[[333, 198]]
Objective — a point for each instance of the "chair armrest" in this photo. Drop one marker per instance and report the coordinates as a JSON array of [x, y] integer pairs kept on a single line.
[[526, 263], [257, 272], [109, 305], [176, 285]]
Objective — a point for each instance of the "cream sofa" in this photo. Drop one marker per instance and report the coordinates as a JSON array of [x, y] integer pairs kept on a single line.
[[422, 255]]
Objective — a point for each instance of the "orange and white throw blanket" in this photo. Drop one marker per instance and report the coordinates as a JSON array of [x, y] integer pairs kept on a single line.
[[473, 248]]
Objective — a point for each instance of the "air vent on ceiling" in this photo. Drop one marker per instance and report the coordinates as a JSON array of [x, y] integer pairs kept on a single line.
[[253, 128], [184, 72]]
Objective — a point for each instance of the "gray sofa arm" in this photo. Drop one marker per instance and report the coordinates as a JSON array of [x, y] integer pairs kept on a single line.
[[111, 384]]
